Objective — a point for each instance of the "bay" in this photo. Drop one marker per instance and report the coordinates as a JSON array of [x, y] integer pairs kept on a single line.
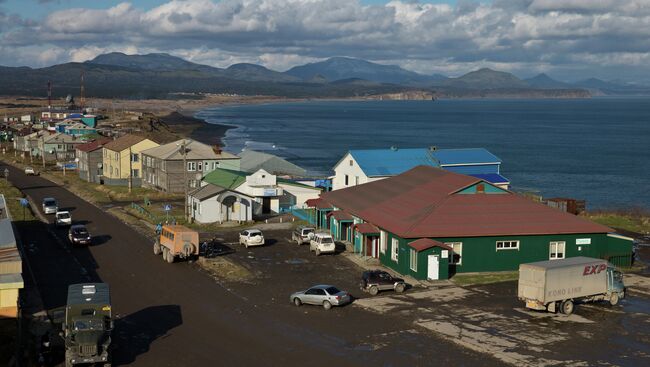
[[594, 149]]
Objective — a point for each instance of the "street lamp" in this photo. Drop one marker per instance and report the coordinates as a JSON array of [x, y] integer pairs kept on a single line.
[[183, 150]]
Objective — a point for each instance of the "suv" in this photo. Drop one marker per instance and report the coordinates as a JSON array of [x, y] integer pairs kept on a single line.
[[50, 206], [251, 237], [302, 235], [29, 171], [373, 281], [62, 219], [322, 243]]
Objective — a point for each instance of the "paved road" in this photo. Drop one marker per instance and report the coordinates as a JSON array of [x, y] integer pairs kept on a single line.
[[175, 315]]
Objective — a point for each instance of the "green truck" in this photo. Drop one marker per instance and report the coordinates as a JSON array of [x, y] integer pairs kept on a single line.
[[88, 324]]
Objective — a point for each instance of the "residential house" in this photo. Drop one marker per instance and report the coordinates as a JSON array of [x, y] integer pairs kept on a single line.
[[215, 204], [90, 159], [166, 167], [59, 147], [362, 166], [431, 223], [11, 279], [121, 160], [76, 129], [252, 161]]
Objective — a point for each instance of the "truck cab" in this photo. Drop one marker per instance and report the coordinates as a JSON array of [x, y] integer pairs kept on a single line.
[[615, 285], [88, 324]]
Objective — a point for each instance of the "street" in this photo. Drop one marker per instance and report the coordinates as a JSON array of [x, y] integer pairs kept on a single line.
[[176, 315]]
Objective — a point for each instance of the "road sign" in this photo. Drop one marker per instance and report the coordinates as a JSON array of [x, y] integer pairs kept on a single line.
[[167, 207], [24, 202]]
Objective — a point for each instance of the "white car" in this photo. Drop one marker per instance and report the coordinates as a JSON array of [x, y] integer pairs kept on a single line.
[[62, 219], [29, 171], [251, 237], [322, 243]]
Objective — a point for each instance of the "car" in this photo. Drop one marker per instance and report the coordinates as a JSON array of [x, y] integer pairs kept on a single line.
[[251, 237], [302, 234], [321, 295], [29, 171], [373, 281], [62, 218], [322, 243], [79, 235], [50, 206]]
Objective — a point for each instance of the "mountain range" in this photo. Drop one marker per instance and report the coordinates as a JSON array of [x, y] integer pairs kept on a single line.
[[159, 75]]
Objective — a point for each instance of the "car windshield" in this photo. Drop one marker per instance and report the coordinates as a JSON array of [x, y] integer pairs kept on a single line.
[[88, 324], [327, 240], [307, 231], [332, 290], [80, 231], [63, 215], [50, 202], [254, 234]]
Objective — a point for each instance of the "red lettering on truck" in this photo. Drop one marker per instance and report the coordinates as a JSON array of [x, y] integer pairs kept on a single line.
[[594, 269]]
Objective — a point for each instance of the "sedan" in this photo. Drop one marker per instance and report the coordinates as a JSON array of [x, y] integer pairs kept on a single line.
[[62, 219], [50, 206], [321, 295], [251, 237], [78, 235]]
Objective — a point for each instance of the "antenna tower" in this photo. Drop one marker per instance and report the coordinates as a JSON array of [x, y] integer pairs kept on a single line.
[[49, 95], [82, 96]]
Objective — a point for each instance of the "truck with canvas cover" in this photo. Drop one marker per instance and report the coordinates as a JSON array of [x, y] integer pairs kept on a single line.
[[88, 324], [176, 241], [556, 285]]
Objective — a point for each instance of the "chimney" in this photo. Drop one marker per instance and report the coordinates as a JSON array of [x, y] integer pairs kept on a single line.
[[216, 149]]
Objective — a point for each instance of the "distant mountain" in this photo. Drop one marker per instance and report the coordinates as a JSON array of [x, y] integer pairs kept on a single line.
[[337, 68], [598, 86], [254, 72], [155, 61], [486, 79], [595, 83], [543, 81]]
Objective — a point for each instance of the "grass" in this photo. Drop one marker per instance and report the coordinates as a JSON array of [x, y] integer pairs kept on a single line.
[[13, 196], [632, 220], [484, 278]]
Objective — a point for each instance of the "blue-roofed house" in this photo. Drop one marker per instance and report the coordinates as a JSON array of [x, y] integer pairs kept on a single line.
[[362, 166]]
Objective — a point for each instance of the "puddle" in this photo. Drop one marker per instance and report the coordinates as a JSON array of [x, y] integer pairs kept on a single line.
[[296, 261]]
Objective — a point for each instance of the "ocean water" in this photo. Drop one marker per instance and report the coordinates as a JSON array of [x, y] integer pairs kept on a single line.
[[594, 149]]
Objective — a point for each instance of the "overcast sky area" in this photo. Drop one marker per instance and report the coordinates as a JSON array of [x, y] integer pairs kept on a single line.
[[567, 39]]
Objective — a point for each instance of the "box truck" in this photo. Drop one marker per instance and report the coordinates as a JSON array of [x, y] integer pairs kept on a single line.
[[555, 285]]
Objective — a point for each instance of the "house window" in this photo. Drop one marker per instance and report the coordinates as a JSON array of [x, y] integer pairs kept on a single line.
[[382, 242], [111, 170], [351, 163], [117, 172], [215, 165], [135, 173], [507, 245], [134, 157], [414, 260], [191, 166], [192, 183], [117, 155], [346, 180], [356, 180], [480, 189], [200, 166], [206, 166], [394, 249], [456, 255], [556, 250]]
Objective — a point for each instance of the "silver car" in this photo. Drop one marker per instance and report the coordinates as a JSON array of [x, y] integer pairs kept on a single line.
[[50, 206], [321, 295]]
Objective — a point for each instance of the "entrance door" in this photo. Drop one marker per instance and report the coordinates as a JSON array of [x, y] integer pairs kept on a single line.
[[433, 267], [266, 205]]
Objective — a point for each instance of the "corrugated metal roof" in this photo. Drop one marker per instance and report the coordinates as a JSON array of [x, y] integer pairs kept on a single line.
[[195, 150], [366, 228], [494, 178], [124, 142], [390, 162], [425, 243], [251, 161], [318, 203], [464, 156], [340, 215], [420, 203], [93, 145], [225, 178], [206, 192]]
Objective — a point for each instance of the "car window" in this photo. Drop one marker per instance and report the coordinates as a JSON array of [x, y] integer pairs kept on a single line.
[[319, 292], [327, 240], [254, 234], [310, 291], [307, 231], [332, 290], [244, 233]]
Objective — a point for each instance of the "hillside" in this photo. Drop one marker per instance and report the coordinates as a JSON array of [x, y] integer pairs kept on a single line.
[[486, 79]]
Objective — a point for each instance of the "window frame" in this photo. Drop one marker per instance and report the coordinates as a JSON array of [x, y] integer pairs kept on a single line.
[[413, 260], [510, 247], [454, 252], [191, 166], [346, 180], [394, 249], [557, 245], [383, 241]]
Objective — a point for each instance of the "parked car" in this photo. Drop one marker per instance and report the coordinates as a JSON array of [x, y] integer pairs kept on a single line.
[[321, 295], [79, 235], [62, 219], [302, 234], [251, 237], [176, 241], [50, 206], [322, 243], [29, 171], [373, 281]]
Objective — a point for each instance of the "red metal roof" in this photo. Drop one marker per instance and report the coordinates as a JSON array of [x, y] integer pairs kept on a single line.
[[421, 203], [93, 145], [425, 243], [318, 203], [366, 228], [340, 215]]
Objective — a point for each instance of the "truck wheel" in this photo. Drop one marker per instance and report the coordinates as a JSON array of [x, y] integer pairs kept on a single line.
[[327, 305], [567, 307], [614, 299], [297, 302], [399, 288], [170, 257], [156, 248], [373, 290], [165, 250]]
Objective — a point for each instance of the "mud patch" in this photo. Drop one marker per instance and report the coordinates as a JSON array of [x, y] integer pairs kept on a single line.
[[224, 268]]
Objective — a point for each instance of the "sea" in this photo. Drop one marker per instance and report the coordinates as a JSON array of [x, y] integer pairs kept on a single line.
[[594, 149]]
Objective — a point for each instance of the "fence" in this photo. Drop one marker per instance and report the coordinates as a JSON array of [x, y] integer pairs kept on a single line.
[[307, 215], [145, 212], [622, 261]]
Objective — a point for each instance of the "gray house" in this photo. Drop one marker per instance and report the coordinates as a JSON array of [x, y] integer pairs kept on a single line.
[[252, 161], [163, 168], [90, 164]]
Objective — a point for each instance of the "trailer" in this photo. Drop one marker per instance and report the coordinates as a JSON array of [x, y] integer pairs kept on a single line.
[[556, 285], [176, 242]]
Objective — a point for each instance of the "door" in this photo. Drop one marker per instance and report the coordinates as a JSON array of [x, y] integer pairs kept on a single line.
[[433, 267], [266, 205]]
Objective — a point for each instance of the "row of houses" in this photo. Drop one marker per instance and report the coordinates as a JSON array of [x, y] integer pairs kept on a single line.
[[11, 279]]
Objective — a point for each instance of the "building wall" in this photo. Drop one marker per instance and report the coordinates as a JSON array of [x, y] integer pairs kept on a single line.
[[352, 170], [296, 196], [471, 169], [170, 174], [207, 211], [117, 167]]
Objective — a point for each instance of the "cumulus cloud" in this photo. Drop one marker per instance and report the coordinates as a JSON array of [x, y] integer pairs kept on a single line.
[[523, 36]]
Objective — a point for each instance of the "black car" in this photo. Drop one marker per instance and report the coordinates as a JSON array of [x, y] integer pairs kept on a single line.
[[373, 281], [79, 235]]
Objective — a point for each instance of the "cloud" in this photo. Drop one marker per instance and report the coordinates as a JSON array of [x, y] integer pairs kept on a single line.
[[523, 36]]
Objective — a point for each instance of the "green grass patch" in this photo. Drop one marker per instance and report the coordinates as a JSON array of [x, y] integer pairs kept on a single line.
[[12, 197], [484, 278], [637, 221]]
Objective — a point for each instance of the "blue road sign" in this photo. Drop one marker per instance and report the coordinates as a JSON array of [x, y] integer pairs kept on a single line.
[[24, 203], [167, 207]]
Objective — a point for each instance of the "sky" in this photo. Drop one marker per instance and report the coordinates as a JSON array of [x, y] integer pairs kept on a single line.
[[567, 39]]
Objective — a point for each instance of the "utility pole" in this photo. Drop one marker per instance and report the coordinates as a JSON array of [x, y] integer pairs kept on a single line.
[[185, 211], [130, 170], [42, 149]]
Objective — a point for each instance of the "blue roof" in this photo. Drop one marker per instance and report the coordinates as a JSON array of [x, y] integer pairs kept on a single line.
[[494, 178], [464, 156], [390, 162]]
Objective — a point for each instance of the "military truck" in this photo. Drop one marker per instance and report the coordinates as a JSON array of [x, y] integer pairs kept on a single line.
[[88, 325], [176, 241], [555, 285]]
